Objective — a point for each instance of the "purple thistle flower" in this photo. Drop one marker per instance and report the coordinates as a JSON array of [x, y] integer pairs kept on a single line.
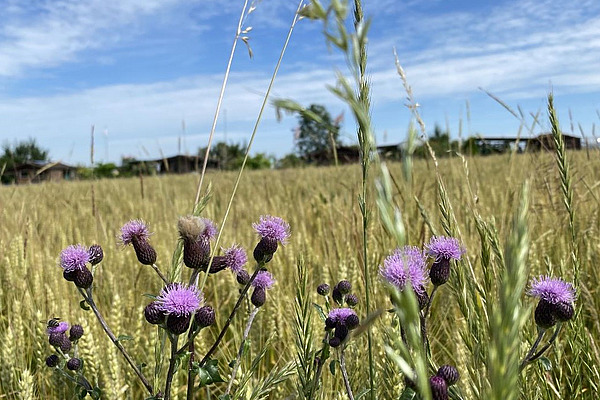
[[444, 247], [134, 230], [74, 258], [273, 228], [340, 315], [210, 230], [60, 328], [235, 258], [552, 290], [179, 299], [264, 280], [405, 265]]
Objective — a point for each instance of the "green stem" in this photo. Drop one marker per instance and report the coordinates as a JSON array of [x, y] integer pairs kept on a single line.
[[171, 370], [241, 349], [527, 358]]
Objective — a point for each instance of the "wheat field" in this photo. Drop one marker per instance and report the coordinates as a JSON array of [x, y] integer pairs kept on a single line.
[[320, 204]]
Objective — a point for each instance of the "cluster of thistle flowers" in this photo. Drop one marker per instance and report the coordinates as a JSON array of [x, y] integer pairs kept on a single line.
[[177, 303], [63, 344], [340, 319], [408, 266]]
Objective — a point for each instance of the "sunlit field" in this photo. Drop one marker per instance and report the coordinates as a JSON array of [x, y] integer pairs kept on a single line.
[[320, 204]]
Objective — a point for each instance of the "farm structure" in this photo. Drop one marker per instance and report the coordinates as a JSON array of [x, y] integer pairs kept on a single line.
[[39, 171]]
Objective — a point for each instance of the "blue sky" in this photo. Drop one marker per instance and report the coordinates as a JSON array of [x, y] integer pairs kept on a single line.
[[137, 68]]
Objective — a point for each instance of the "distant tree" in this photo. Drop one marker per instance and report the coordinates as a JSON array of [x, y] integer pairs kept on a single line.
[[289, 161], [440, 143], [226, 156], [316, 131], [25, 151]]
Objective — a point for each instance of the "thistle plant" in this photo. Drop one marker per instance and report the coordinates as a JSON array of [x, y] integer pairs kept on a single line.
[[179, 308]]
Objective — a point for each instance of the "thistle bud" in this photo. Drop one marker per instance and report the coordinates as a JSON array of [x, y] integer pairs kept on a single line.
[[259, 297], [74, 364], [75, 333], [96, 254], [449, 374], [83, 278], [205, 316], [344, 286], [154, 314], [439, 388], [323, 289], [440, 271], [564, 311], [144, 251], [351, 300], [52, 360], [544, 314]]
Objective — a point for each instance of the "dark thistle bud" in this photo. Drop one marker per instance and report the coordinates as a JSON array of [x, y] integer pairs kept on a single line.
[[323, 289], [440, 271], [219, 263], [196, 253], [154, 313], [205, 316], [341, 332], [329, 323], [259, 297], [243, 277], [74, 364], [337, 295], [544, 315], [75, 333], [69, 275], [83, 278], [439, 388], [178, 324], [52, 360], [144, 251], [564, 311], [344, 286], [449, 374], [96, 254], [56, 339], [352, 321], [264, 250], [335, 341], [351, 300]]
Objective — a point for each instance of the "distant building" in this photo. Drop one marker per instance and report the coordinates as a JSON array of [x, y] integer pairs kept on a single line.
[[177, 164], [40, 171]]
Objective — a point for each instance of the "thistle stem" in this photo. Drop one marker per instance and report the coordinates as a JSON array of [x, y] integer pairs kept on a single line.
[[345, 374], [89, 299], [171, 370], [162, 276], [241, 349], [230, 318], [527, 358], [430, 301], [547, 345]]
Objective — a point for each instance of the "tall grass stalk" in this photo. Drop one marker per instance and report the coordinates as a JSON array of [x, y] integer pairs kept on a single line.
[[509, 316]]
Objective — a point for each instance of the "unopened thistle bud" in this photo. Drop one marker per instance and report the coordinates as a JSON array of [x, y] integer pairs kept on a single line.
[[323, 289], [337, 295], [344, 286], [154, 313], [205, 316], [136, 233], [74, 364], [449, 373], [75, 333], [351, 300], [52, 360], [439, 388], [96, 254]]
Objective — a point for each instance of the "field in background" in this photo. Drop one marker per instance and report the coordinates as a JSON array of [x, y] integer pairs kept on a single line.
[[38, 221]]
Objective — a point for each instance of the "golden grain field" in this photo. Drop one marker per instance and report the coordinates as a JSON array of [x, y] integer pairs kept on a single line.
[[320, 204]]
